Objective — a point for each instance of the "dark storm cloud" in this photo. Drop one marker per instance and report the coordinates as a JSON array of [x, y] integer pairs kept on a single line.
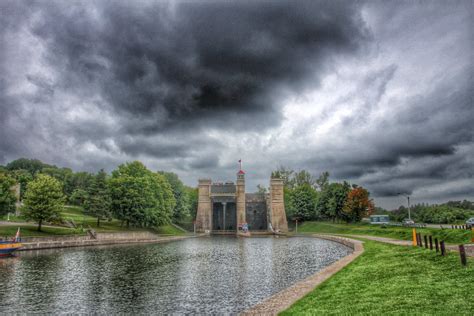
[[191, 87], [178, 63]]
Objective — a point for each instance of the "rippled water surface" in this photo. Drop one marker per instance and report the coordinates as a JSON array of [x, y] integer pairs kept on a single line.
[[203, 275]]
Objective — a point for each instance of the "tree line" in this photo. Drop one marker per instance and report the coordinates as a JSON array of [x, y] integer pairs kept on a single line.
[[131, 193], [446, 213], [316, 198]]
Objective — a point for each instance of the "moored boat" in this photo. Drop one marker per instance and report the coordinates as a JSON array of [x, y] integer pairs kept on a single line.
[[8, 247]]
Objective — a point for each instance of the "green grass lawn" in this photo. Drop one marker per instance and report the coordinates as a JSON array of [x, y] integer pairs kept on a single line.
[[31, 230], [75, 213], [394, 280], [454, 236]]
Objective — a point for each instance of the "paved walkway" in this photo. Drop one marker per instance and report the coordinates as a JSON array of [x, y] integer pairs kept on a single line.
[[469, 247]]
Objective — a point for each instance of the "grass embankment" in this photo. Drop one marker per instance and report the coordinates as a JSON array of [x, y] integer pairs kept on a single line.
[[454, 236], [82, 221], [396, 280]]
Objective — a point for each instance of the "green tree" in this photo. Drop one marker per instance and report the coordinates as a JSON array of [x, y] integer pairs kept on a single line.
[[323, 181], [43, 199], [98, 201], [31, 165], [181, 209], [78, 197], [7, 195], [23, 177], [331, 200], [303, 177], [302, 202], [193, 194], [166, 202], [141, 197], [285, 174]]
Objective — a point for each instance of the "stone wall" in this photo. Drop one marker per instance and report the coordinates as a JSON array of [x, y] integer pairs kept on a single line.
[[204, 216], [277, 206], [34, 243], [240, 199]]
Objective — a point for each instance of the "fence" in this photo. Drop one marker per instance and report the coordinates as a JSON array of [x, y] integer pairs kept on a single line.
[[429, 243]]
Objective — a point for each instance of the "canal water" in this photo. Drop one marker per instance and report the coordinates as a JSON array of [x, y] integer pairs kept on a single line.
[[204, 275]]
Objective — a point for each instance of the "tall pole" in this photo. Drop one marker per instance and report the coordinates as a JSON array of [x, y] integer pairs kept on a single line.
[[409, 213]]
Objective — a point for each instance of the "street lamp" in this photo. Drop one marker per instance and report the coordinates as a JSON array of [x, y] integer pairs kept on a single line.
[[408, 200]]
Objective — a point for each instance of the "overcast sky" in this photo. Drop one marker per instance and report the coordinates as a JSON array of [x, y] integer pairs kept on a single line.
[[378, 93]]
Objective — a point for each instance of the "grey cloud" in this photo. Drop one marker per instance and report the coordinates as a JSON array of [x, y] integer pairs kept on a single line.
[[171, 83], [217, 63]]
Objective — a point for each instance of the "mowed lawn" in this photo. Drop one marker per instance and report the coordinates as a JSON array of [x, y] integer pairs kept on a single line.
[[454, 236], [82, 221], [394, 280]]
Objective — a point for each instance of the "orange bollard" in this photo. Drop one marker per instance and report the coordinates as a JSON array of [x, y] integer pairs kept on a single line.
[[414, 237], [472, 234]]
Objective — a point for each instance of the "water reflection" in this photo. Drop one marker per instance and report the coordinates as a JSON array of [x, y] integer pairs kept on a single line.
[[205, 275]]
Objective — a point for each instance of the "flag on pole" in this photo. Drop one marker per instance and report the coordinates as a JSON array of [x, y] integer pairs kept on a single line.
[[240, 164]]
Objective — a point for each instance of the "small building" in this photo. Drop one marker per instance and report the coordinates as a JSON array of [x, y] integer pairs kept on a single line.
[[379, 219]]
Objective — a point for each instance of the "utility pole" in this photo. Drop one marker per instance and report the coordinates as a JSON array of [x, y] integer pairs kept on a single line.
[[408, 200]]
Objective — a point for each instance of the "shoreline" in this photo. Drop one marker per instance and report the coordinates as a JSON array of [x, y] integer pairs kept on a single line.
[[39, 243], [282, 300]]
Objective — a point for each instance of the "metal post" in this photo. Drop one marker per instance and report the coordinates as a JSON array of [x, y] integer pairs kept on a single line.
[[462, 254], [297, 226], [409, 213]]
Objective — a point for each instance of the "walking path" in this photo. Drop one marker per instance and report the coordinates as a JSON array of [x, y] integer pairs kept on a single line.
[[469, 247]]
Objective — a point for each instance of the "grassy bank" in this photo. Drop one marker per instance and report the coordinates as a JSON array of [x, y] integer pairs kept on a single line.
[[75, 214], [31, 231], [388, 279], [454, 236]]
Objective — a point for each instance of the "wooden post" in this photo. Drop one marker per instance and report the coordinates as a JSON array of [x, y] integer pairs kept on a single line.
[[426, 241], [443, 249], [431, 242], [462, 254], [436, 244], [414, 242], [418, 239], [472, 234]]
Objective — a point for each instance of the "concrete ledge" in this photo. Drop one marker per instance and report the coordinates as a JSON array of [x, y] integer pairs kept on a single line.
[[284, 299], [67, 243]]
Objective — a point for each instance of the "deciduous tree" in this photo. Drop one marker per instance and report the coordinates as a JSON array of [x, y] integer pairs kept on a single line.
[[43, 200], [7, 195], [98, 201], [140, 196], [302, 202], [358, 204]]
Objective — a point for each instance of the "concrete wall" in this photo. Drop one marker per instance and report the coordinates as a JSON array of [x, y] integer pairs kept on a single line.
[[277, 206], [204, 211]]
